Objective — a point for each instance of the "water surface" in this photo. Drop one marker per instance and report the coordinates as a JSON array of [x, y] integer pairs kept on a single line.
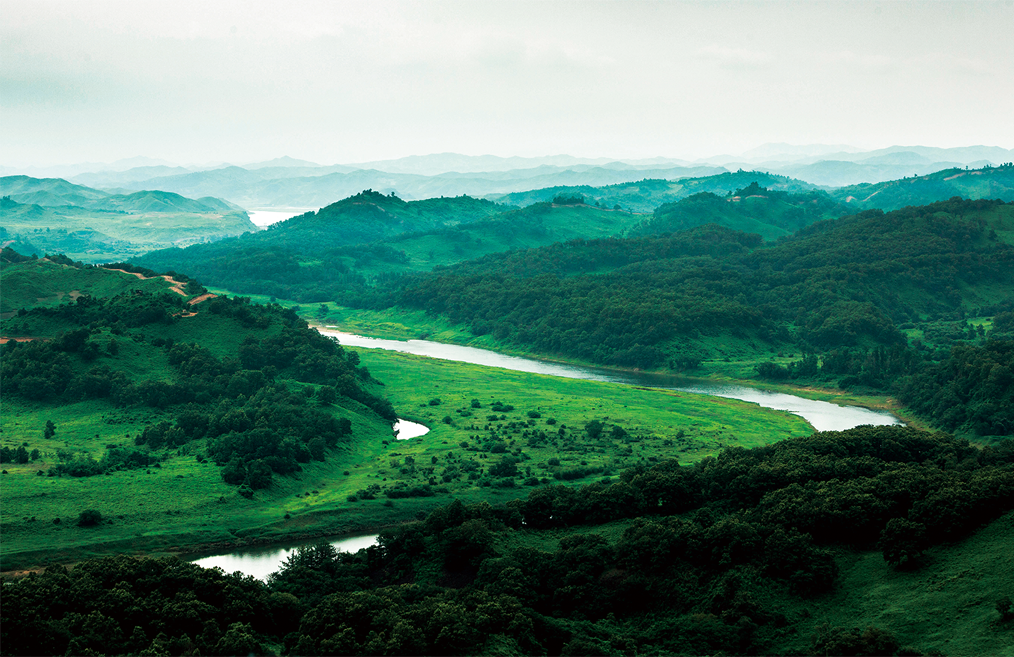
[[823, 416], [261, 562]]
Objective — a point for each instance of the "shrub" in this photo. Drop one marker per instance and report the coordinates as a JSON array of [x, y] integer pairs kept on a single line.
[[89, 518]]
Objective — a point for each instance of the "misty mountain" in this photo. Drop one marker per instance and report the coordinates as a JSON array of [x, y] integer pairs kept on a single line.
[[985, 183], [258, 189], [648, 194], [56, 192]]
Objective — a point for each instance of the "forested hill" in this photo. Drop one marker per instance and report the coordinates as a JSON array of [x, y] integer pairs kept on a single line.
[[675, 299], [370, 216], [647, 195], [314, 257], [753, 209], [141, 375], [803, 547], [986, 183]]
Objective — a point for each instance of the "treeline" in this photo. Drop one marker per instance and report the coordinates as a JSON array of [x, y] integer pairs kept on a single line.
[[693, 573], [754, 208], [841, 284], [253, 423], [971, 390]]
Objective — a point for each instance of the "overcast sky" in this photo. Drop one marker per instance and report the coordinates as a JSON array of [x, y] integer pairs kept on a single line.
[[196, 82]]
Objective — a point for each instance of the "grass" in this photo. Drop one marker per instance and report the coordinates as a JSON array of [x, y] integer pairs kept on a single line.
[[42, 283], [946, 606], [184, 504]]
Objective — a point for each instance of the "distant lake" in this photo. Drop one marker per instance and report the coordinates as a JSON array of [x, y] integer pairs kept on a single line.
[[823, 416], [267, 217]]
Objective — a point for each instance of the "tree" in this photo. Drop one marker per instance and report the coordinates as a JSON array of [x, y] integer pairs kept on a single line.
[[50, 430], [326, 395], [902, 541], [89, 518], [594, 428], [258, 475]]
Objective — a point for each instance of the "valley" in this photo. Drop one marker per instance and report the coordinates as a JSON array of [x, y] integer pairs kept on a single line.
[[648, 427]]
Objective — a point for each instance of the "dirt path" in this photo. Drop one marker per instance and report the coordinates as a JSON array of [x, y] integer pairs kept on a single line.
[[25, 338], [177, 287]]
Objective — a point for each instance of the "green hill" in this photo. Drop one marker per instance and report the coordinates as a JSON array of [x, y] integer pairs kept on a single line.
[[180, 418], [44, 283], [903, 286], [647, 195], [313, 257], [986, 183], [754, 209], [52, 215]]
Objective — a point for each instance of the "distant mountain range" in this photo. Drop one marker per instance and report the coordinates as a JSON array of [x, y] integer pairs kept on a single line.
[[53, 215], [293, 183]]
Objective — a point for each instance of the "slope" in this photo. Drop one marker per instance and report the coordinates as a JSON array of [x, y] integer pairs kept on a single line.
[[315, 256], [754, 209], [127, 402], [648, 194], [985, 183]]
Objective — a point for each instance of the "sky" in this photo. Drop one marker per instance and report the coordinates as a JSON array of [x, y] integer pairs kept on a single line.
[[340, 82]]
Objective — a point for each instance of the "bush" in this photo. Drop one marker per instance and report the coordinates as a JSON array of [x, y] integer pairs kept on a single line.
[[89, 518], [435, 401]]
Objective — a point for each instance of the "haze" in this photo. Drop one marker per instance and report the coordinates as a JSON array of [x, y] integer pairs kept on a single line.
[[196, 82]]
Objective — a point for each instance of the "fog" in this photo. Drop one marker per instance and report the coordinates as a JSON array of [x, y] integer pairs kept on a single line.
[[338, 82]]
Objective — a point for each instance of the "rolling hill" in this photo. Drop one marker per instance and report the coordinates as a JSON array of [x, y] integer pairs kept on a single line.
[[53, 215], [985, 183]]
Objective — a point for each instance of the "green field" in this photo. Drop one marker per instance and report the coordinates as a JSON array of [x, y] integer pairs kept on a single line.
[[183, 503]]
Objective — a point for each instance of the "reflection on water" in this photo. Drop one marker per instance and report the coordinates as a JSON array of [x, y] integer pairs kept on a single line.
[[261, 562], [403, 429], [824, 416]]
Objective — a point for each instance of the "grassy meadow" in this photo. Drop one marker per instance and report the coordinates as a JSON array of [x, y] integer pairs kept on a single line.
[[182, 503]]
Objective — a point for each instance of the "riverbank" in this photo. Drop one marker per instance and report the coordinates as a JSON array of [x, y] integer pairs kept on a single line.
[[404, 325]]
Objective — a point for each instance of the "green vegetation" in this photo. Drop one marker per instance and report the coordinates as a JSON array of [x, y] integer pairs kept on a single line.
[[46, 282], [647, 195], [370, 239], [753, 209], [986, 183], [129, 405], [146, 390], [52, 215], [761, 551]]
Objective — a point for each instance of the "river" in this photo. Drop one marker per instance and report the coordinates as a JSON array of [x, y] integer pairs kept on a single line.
[[824, 416], [261, 562]]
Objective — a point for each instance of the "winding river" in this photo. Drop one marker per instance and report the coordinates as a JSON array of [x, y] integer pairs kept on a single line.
[[824, 416]]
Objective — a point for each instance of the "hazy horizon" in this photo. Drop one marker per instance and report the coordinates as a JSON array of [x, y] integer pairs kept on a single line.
[[347, 82]]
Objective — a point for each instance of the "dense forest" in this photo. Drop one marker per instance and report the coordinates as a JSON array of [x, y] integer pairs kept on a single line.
[[753, 209], [712, 558], [842, 284]]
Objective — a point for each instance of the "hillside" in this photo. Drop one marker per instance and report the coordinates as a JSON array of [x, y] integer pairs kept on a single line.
[[753, 209], [872, 541], [902, 286], [149, 400], [314, 256], [52, 215], [648, 194], [986, 183]]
